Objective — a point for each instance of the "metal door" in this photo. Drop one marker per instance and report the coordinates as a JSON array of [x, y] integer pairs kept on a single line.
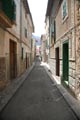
[[65, 62]]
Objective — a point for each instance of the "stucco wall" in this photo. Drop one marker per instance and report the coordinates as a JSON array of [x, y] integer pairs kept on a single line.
[[2, 35], [62, 26], [77, 18]]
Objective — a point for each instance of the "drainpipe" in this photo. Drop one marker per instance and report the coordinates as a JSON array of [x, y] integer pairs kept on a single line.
[[75, 46], [20, 32], [21, 22], [49, 36]]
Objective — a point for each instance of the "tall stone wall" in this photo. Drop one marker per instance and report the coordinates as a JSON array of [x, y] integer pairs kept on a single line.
[[3, 81], [78, 50]]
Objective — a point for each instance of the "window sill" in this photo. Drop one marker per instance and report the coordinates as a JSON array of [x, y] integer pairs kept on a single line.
[[63, 20]]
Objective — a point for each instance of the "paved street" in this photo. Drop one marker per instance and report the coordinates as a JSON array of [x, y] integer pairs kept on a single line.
[[37, 99]]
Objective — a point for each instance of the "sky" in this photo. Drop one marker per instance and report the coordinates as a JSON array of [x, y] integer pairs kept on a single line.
[[38, 11]]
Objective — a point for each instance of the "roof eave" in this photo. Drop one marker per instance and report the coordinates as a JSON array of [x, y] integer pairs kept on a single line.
[[49, 7]]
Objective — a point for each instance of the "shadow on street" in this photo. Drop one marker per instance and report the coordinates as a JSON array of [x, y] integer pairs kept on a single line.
[[37, 99]]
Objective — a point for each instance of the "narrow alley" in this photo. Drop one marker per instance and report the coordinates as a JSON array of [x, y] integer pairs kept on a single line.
[[37, 99]]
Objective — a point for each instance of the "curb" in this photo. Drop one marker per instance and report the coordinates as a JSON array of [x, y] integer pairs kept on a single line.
[[9, 92], [72, 102]]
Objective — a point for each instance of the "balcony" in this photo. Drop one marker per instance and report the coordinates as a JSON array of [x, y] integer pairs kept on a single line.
[[4, 20], [7, 13]]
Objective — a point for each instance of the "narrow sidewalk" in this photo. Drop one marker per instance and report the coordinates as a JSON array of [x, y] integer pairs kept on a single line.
[[72, 102], [11, 89]]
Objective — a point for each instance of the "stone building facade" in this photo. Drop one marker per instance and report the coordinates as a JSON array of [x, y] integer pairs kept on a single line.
[[33, 49], [43, 48], [64, 55], [15, 41]]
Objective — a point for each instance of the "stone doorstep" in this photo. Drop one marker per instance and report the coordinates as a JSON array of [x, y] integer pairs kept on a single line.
[[10, 90], [72, 102]]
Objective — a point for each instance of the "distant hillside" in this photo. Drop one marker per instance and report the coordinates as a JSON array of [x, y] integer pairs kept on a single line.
[[37, 39]]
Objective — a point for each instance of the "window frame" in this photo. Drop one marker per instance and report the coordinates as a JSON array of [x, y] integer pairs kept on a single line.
[[66, 16], [26, 34]]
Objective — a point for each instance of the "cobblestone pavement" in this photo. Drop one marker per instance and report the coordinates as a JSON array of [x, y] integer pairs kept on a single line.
[[38, 98]]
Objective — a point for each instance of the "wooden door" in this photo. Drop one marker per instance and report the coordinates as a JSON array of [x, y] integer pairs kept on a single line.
[[26, 61], [13, 59], [57, 62]]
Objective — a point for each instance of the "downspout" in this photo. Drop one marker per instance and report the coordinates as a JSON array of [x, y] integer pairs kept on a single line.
[[49, 36], [21, 23], [20, 32], [31, 50], [75, 49]]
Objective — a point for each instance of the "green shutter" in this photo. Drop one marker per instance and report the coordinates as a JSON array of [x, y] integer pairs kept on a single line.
[[65, 61], [54, 31], [9, 7]]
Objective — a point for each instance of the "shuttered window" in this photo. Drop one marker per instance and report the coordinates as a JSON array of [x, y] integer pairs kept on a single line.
[[9, 8], [25, 30], [64, 9]]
